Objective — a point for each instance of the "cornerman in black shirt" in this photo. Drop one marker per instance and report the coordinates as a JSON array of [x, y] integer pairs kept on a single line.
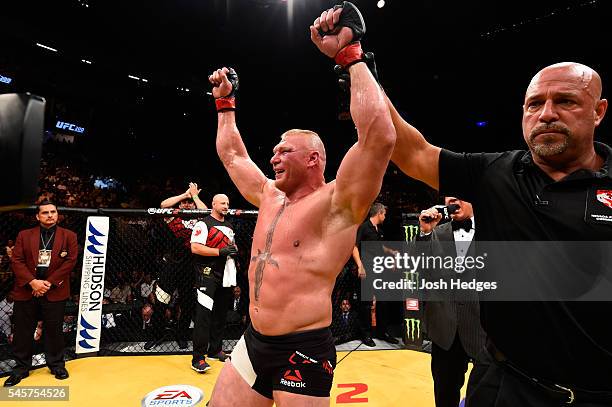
[[370, 231], [212, 241], [542, 353]]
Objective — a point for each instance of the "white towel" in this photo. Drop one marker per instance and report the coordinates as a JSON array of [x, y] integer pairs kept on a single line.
[[229, 274], [205, 300]]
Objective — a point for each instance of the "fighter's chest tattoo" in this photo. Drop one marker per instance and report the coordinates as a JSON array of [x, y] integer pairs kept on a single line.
[[265, 257]]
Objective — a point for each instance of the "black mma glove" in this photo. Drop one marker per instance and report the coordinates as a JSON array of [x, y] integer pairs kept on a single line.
[[228, 102], [228, 250], [350, 17]]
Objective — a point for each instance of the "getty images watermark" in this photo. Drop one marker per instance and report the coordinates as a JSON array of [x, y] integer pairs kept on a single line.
[[488, 271], [414, 271]]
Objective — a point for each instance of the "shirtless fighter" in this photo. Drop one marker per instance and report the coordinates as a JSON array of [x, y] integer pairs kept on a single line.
[[304, 234]]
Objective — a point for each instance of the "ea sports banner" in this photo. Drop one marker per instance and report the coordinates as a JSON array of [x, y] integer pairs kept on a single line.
[[89, 323]]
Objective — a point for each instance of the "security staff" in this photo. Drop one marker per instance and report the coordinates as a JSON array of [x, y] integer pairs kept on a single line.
[[42, 261]]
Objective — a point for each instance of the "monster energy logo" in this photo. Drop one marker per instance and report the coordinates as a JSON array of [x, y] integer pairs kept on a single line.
[[413, 324], [412, 277], [411, 232]]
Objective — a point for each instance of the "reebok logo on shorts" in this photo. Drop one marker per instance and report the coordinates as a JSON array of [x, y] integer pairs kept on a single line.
[[292, 378]]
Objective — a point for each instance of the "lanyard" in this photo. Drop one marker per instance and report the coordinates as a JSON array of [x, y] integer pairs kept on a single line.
[[45, 245]]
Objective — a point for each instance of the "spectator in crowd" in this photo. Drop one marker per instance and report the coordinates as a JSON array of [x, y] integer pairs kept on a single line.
[[146, 288], [69, 324], [147, 317], [190, 199], [65, 180], [42, 261], [166, 312], [161, 319], [10, 246], [122, 292], [5, 265], [108, 318], [135, 282], [239, 309], [345, 323]]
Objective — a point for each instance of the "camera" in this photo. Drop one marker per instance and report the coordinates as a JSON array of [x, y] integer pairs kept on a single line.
[[446, 212]]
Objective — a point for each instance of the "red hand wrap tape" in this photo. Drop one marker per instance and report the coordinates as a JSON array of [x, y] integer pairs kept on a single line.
[[349, 55], [225, 104]]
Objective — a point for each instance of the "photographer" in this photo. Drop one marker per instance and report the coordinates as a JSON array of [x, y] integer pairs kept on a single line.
[[452, 325]]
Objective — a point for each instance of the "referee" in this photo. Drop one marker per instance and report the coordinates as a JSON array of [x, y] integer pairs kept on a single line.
[[542, 353]]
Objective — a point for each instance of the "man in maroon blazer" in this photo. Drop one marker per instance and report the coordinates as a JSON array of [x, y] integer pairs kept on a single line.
[[42, 261]]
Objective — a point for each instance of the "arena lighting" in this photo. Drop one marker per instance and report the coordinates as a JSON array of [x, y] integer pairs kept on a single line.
[[137, 78], [380, 4], [46, 47], [5, 79], [86, 61]]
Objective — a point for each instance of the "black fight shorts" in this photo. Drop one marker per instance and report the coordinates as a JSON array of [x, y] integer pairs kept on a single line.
[[301, 362]]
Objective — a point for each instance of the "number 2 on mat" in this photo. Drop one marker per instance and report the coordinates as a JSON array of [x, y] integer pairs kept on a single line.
[[349, 396]]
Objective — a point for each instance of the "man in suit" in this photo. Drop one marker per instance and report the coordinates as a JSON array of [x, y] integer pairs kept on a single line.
[[345, 323], [453, 325], [42, 261], [237, 320], [237, 314]]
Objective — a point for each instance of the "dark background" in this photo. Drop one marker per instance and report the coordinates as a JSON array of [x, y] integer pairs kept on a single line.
[[446, 65]]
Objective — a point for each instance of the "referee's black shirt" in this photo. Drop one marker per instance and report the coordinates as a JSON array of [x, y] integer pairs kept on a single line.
[[514, 200]]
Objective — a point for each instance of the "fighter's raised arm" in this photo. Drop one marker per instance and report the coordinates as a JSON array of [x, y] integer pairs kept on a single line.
[[361, 172], [247, 177]]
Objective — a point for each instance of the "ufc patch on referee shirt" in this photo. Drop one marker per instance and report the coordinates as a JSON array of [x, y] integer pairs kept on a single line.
[[599, 206]]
